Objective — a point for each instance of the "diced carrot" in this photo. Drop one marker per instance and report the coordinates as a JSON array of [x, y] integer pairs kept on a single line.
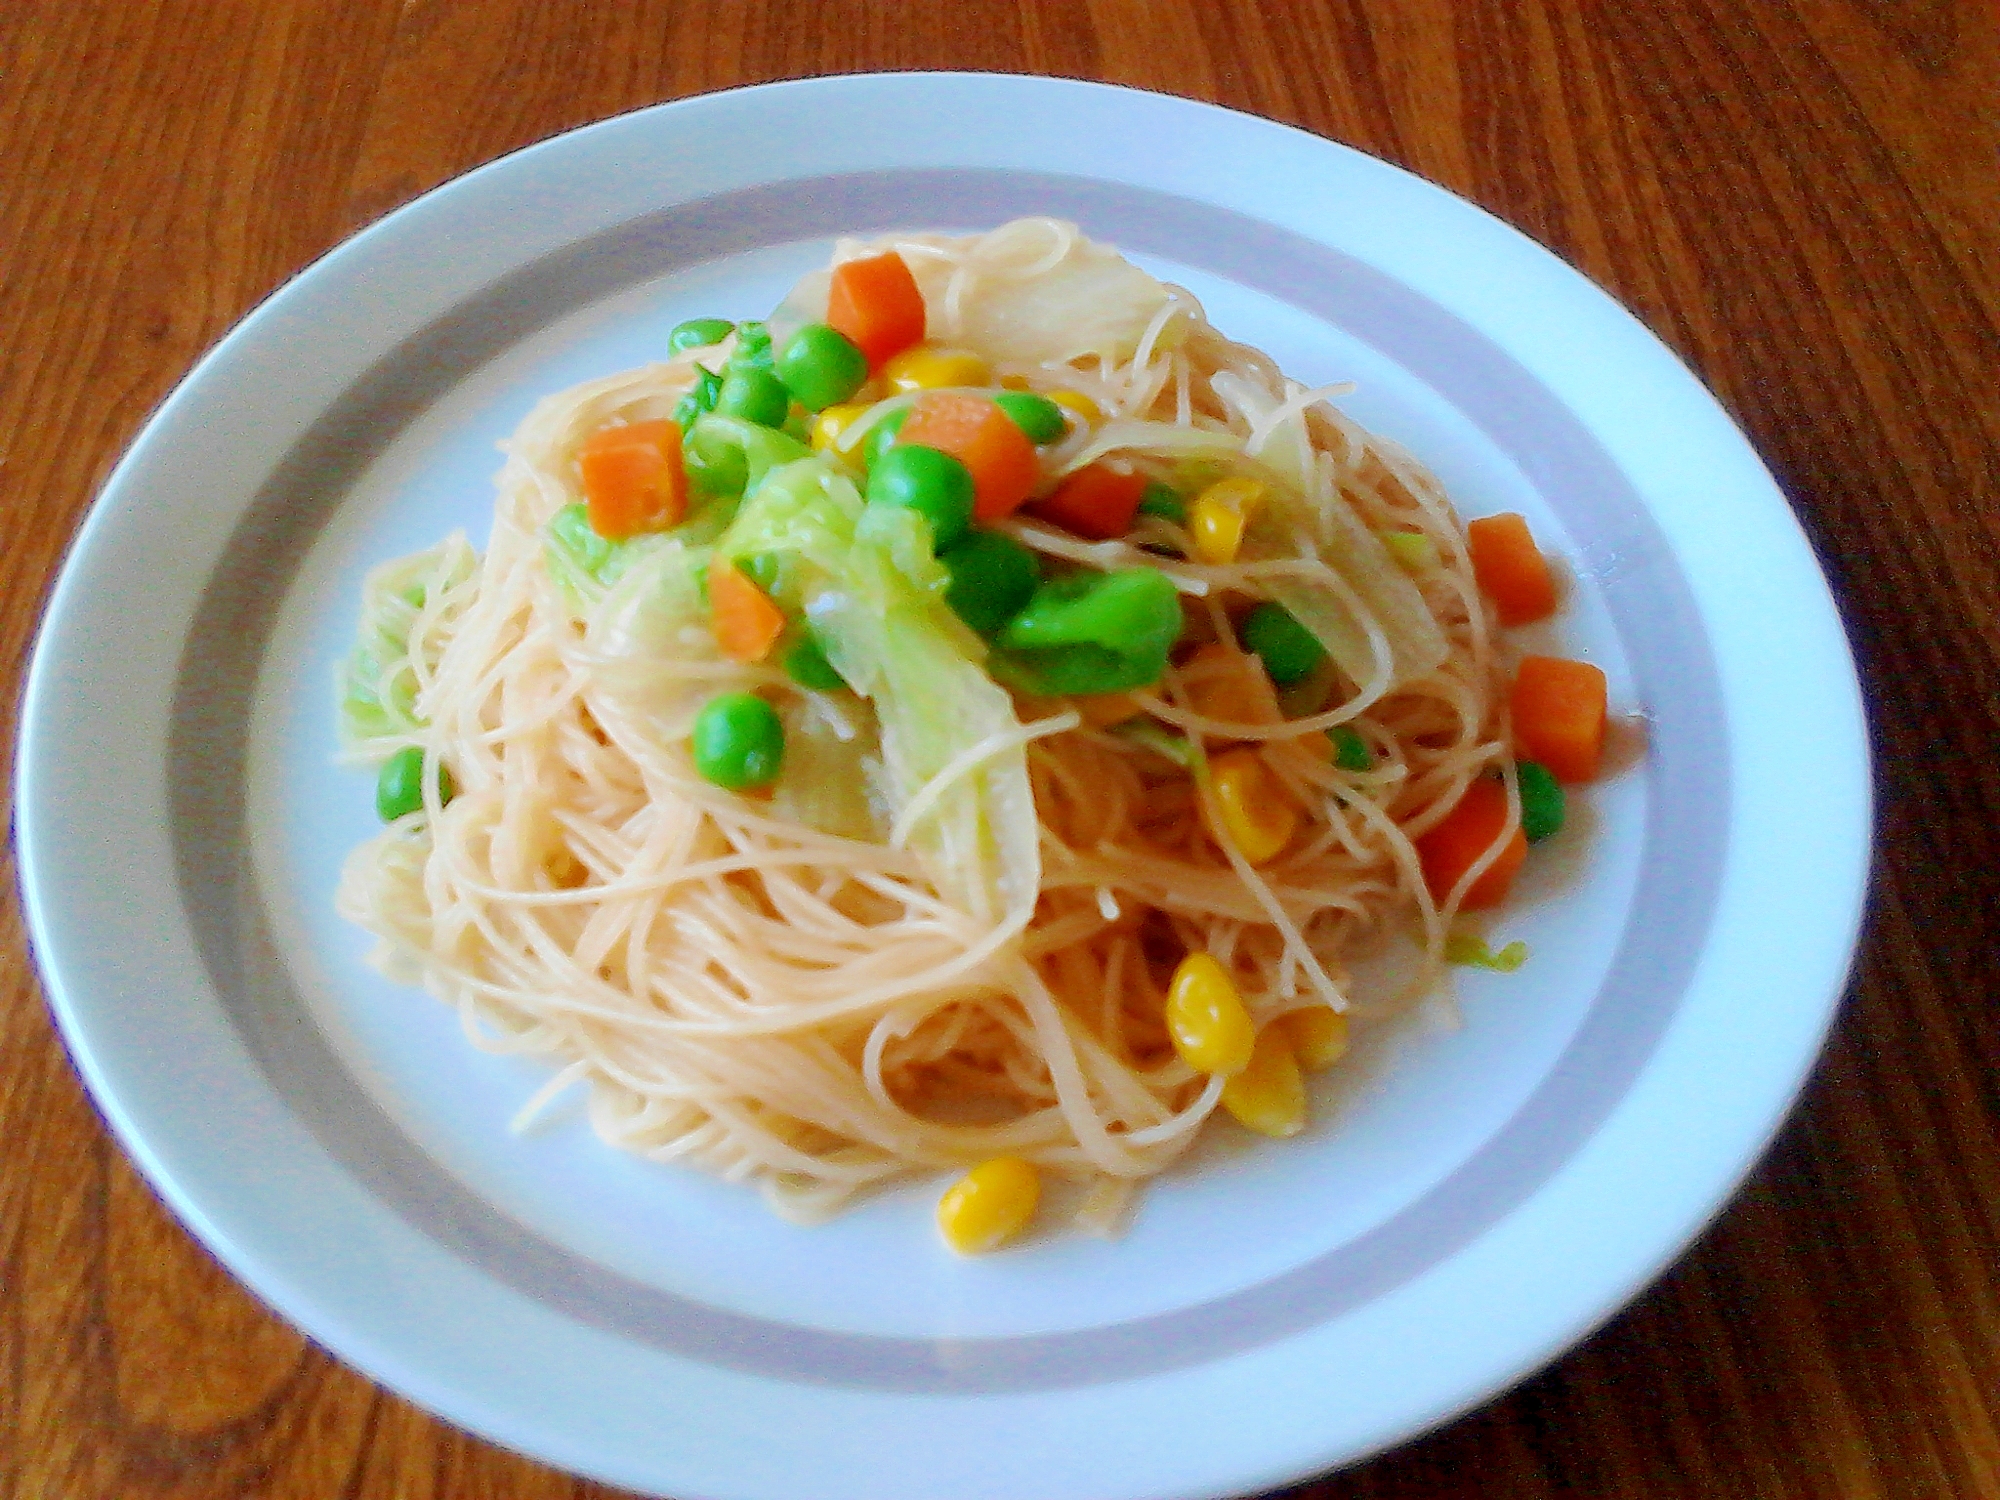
[[633, 480], [875, 302], [1098, 502], [746, 623], [1468, 831], [1559, 711], [983, 438], [1511, 569]]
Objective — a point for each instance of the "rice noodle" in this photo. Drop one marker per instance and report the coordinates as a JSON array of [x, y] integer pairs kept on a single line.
[[776, 1003]]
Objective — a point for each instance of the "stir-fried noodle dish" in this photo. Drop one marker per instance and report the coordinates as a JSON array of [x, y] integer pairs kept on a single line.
[[981, 722]]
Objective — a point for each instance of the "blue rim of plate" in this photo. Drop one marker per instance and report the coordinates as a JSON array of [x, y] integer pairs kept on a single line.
[[1457, 305]]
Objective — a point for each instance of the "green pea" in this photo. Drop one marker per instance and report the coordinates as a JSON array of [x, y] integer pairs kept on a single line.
[[992, 577], [1289, 651], [738, 742], [754, 395], [1164, 501], [399, 786], [1350, 750], [1037, 416], [881, 436], [1542, 805], [699, 333], [822, 366], [934, 485], [806, 664]]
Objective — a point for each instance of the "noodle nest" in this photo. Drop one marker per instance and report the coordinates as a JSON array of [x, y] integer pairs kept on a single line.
[[787, 989]]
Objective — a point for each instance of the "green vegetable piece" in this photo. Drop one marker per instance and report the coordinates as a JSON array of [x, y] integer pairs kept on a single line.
[[822, 366], [399, 786], [1288, 650], [378, 685], [761, 568], [1542, 805], [877, 610], [700, 398], [934, 485], [992, 578], [753, 348], [1093, 633], [718, 469], [1471, 950], [698, 333], [368, 709], [1350, 750], [1164, 501], [738, 742], [570, 528], [806, 664], [881, 436], [1037, 416], [729, 457], [755, 396]]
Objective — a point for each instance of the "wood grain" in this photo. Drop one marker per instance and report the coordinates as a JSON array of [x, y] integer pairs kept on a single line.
[[1798, 195]]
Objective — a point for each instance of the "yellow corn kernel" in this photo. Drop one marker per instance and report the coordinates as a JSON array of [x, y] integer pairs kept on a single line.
[[1318, 1035], [1082, 410], [831, 423], [927, 369], [989, 1205], [1269, 1096], [1218, 516], [1256, 814], [1102, 710], [1205, 1017]]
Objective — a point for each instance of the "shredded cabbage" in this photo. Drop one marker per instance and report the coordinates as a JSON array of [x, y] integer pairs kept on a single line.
[[656, 656], [866, 580], [378, 688], [1091, 303], [1412, 638], [833, 761], [1471, 950]]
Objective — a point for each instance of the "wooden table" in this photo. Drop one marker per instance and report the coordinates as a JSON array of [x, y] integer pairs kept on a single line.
[[1798, 195]]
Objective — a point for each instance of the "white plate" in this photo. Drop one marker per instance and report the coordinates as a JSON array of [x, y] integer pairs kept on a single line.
[[1497, 1193]]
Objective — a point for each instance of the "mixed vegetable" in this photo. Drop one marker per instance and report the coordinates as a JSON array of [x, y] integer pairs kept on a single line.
[[846, 507], [842, 499]]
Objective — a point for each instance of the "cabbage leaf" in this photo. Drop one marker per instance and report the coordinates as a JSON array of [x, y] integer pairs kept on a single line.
[[378, 688], [866, 580]]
